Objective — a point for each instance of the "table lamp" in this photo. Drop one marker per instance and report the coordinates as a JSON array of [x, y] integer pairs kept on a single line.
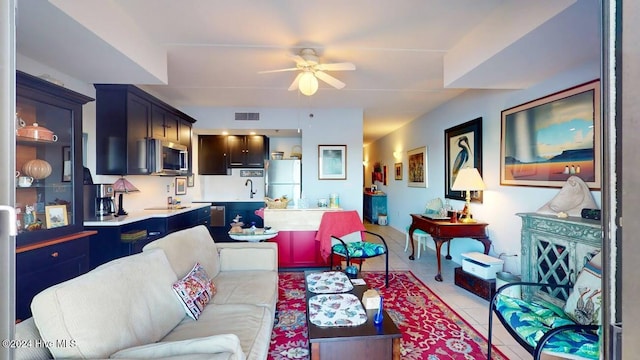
[[468, 180], [122, 186]]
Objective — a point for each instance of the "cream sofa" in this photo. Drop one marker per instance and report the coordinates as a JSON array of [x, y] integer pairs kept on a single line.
[[127, 308]]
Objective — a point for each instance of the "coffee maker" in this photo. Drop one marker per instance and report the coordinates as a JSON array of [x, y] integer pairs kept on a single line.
[[98, 201]]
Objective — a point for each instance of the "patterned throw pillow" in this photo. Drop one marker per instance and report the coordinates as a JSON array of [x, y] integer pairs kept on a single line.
[[583, 305], [195, 290]]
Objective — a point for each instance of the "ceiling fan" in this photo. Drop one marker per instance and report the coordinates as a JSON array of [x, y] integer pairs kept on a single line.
[[307, 62]]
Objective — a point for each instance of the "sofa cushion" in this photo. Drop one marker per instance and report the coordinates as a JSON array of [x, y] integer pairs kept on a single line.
[[532, 320], [123, 303], [252, 324], [583, 304], [227, 345], [185, 247], [194, 291], [27, 333], [247, 287]]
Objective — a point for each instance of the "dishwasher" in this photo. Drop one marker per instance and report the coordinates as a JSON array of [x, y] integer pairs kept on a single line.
[[218, 227], [217, 216]]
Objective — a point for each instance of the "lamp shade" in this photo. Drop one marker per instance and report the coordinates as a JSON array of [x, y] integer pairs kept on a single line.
[[124, 186], [308, 84], [468, 179]]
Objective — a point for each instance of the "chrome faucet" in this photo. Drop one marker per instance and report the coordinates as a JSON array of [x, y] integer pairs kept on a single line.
[[251, 192]]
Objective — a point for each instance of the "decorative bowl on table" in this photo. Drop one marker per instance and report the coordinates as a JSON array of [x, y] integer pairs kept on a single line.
[[276, 203]]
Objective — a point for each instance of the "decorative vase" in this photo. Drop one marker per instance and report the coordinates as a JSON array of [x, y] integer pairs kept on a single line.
[[377, 318], [37, 169]]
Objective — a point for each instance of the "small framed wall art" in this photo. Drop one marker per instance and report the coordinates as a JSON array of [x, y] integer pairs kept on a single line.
[[398, 167], [332, 162], [417, 167], [181, 185]]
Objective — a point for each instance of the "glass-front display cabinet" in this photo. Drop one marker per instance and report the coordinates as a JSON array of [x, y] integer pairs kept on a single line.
[[49, 169]]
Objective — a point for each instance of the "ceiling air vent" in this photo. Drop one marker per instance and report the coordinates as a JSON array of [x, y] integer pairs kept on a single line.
[[241, 116]]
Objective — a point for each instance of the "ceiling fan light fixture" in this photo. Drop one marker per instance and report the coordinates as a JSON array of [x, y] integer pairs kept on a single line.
[[308, 84]]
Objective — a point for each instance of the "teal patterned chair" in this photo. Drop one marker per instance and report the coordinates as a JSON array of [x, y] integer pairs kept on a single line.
[[352, 246], [542, 326]]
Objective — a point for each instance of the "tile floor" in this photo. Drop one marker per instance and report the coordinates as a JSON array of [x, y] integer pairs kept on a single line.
[[472, 308]]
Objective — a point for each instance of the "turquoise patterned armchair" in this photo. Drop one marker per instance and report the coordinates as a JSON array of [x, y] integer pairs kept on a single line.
[[353, 246], [540, 325]]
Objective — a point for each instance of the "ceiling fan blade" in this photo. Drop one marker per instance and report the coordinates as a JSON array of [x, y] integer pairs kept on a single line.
[[336, 66], [329, 79], [299, 60], [275, 71], [294, 84]]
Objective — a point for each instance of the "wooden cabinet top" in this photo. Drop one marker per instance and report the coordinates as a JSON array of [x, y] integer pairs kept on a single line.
[[139, 92]]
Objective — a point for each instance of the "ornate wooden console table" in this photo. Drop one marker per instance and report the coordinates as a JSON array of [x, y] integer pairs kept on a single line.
[[443, 231], [554, 250]]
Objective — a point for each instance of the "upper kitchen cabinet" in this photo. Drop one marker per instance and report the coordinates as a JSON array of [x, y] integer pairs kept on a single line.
[[212, 155], [48, 193], [247, 151], [164, 125], [126, 117]]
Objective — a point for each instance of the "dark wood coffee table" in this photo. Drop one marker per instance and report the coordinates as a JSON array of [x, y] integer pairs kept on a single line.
[[366, 341]]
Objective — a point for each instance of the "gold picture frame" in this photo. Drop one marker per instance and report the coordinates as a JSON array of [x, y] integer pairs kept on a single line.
[[56, 216], [398, 167], [417, 167], [546, 141]]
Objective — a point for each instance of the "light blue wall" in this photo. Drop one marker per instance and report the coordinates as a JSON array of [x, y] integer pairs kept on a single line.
[[501, 203]]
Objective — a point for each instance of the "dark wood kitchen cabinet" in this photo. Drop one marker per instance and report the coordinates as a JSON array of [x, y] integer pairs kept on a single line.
[[48, 150], [247, 151], [212, 155], [126, 117], [51, 246], [39, 266], [164, 125]]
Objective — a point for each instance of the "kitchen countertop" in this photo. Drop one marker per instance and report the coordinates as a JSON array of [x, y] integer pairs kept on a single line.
[[229, 200], [292, 219], [138, 215]]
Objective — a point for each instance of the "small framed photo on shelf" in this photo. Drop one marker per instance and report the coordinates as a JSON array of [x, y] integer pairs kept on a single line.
[[66, 164], [181, 185], [56, 216]]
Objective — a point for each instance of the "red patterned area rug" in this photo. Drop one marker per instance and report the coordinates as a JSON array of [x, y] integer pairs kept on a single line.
[[430, 329]]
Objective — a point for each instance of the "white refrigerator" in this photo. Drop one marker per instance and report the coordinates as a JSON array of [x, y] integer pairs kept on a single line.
[[284, 178]]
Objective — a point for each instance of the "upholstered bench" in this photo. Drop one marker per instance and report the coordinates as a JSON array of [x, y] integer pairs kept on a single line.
[[540, 325]]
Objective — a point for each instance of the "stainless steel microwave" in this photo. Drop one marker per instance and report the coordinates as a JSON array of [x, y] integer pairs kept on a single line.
[[167, 158]]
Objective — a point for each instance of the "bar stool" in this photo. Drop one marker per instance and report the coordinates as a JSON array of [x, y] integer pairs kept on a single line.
[[419, 236]]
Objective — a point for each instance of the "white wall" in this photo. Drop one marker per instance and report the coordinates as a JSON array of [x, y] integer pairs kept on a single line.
[[501, 203], [325, 127]]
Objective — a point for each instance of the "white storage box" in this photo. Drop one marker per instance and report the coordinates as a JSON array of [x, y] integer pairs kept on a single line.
[[481, 265]]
